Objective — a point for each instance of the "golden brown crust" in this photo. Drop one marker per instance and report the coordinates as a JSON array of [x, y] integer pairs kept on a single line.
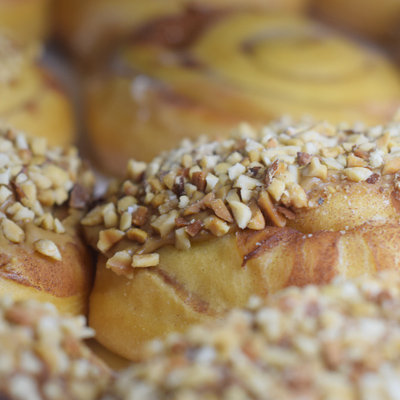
[[93, 27], [32, 99], [43, 193], [200, 229], [377, 20], [277, 65], [25, 20], [338, 341]]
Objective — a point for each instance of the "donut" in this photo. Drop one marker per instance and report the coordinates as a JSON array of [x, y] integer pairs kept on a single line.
[[200, 229], [237, 67], [26, 20], [340, 341], [31, 98], [43, 195], [91, 28], [376, 20], [43, 355]]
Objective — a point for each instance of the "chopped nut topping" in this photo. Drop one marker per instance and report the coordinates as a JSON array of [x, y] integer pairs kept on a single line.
[[145, 260], [47, 248], [137, 235], [121, 264], [108, 238], [12, 231], [246, 182]]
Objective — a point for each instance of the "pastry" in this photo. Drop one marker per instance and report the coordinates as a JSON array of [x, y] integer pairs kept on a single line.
[[43, 356], [377, 20], [200, 229], [43, 194], [31, 99], [26, 20], [238, 67], [336, 342], [91, 28]]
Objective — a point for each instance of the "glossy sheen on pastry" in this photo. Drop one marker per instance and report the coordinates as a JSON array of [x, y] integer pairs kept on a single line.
[[378, 20], [241, 67], [31, 99], [336, 342], [26, 20], [43, 194], [43, 356], [91, 27], [199, 230]]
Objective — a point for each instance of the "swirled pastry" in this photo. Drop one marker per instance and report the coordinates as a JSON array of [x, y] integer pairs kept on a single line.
[[378, 20], [200, 229], [26, 20], [336, 342], [91, 28], [43, 356], [237, 67], [43, 194], [31, 99]]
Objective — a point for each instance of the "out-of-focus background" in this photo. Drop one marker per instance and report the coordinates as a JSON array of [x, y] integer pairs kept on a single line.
[[131, 78]]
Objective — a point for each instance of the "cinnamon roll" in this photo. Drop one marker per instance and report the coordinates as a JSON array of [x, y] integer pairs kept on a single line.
[[232, 68], [25, 20], [200, 229], [44, 192], [31, 98], [91, 28], [336, 342]]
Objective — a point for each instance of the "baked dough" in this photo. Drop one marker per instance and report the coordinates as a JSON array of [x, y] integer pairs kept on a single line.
[[44, 357], [220, 72], [91, 28], [43, 193], [31, 98], [340, 341], [200, 229], [26, 20]]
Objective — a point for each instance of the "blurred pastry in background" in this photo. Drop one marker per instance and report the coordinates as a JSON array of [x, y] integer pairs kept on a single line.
[[378, 20], [336, 342], [198, 230], [91, 28], [31, 98], [44, 192], [25, 20], [44, 357], [160, 88]]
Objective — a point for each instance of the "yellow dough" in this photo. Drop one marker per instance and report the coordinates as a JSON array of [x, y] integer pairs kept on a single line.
[[199, 230], [238, 67]]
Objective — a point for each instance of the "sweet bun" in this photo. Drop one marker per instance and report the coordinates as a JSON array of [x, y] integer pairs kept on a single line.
[[43, 355], [43, 194], [26, 20], [220, 72], [340, 341], [200, 229], [377, 20], [31, 98], [91, 28]]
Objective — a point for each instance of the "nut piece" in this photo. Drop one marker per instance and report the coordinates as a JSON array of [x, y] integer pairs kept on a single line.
[[316, 169], [137, 235], [391, 166], [354, 161], [5, 193], [145, 260], [269, 210], [241, 213], [164, 224], [120, 263], [257, 221], [108, 238], [216, 226], [182, 241], [357, 174], [276, 189], [12, 231], [47, 248]]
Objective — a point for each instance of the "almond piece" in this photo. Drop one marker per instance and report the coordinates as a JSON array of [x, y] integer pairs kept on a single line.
[[12, 231], [269, 210], [121, 264], [145, 260], [241, 213], [182, 241], [391, 166], [357, 174], [47, 248], [108, 238]]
